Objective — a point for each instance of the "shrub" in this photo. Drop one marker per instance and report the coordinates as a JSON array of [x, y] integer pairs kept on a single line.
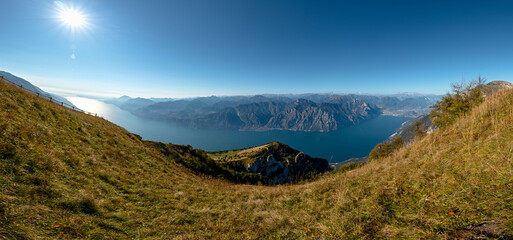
[[385, 149], [464, 96], [199, 162], [418, 131]]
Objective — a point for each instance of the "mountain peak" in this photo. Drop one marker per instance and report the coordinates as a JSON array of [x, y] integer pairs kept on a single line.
[[494, 86], [302, 101], [501, 83]]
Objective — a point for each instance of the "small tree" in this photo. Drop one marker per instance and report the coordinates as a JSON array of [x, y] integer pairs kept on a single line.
[[396, 144], [464, 96]]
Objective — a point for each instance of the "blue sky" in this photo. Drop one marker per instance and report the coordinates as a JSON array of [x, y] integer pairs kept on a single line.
[[177, 48]]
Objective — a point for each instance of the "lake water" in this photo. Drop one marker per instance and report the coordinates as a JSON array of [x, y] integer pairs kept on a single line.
[[336, 146]]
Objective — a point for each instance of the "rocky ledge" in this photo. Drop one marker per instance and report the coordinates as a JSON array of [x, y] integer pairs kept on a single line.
[[299, 168]]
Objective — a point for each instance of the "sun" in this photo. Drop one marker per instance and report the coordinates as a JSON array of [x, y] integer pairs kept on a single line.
[[72, 18]]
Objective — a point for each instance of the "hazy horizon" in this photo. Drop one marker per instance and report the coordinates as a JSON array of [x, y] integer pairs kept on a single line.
[[95, 95], [110, 93], [183, 49]]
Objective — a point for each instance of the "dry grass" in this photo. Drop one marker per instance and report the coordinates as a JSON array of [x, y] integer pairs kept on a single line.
[[68, 175], [245, 155], [253, 150], [250, 155]]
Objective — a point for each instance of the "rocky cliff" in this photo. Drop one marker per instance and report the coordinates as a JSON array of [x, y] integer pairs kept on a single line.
[[263, 114], [305, 115], [273, 170], [276, 162]]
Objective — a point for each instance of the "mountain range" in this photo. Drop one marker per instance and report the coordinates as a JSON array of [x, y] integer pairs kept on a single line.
[[301, 112]]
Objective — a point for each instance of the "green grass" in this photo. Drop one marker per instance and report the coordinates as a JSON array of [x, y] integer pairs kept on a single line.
[[250, 155], [222, 155], [67, 175]]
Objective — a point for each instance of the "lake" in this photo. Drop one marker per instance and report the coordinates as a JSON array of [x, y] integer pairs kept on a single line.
[[336, 146]]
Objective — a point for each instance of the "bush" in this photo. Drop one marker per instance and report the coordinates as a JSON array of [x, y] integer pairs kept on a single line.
[[385, 149], [464, 96], [418, 131], [199, 162]]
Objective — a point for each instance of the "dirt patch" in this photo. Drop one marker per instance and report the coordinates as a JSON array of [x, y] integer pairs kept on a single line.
[[484, 230]]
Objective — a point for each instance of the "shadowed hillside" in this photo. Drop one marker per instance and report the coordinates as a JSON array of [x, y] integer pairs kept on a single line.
[[64, 174]]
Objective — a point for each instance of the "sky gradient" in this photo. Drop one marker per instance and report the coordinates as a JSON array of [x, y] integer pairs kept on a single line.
[[177, 48]]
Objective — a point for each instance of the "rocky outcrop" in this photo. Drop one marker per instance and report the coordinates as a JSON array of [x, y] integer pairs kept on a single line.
[[304, 165], [272, 169], [494, 86], [301, 167]]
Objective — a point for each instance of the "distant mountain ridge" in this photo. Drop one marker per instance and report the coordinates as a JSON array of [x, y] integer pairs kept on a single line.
[[261, 113], [130, 104], [302, 112]]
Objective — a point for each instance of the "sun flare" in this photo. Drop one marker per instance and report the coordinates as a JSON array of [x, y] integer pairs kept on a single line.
[[72, 18]]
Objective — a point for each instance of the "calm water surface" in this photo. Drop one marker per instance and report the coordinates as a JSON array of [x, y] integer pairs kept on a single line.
[[336, 146]]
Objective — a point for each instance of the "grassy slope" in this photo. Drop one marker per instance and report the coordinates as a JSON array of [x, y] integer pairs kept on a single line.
[[64, 174], [250, 155]]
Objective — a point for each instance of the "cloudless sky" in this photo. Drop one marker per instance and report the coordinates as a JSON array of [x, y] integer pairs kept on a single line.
[[178, 48]]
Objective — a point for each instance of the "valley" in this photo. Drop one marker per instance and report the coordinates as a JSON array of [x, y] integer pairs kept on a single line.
[[80, 176], [303, 112], [335, 146]]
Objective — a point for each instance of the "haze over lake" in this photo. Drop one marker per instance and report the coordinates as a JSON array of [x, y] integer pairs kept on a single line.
[[336, 146]]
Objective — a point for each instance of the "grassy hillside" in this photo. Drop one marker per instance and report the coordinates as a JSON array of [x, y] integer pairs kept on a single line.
[[295, 166], [240, 159], [68, 175], [250, 155], [199, 162]]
